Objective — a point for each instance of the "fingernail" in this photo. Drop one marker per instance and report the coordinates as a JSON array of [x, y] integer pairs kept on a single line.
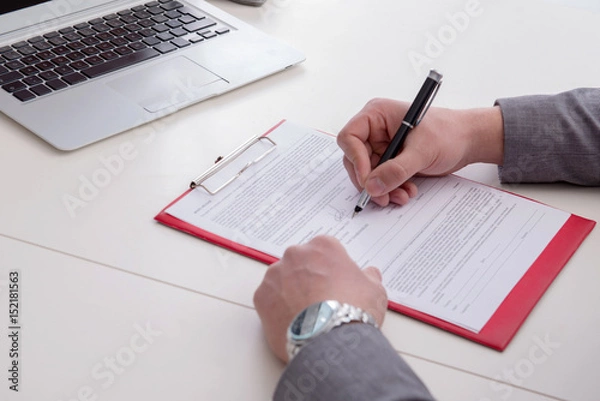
[[375, 186]]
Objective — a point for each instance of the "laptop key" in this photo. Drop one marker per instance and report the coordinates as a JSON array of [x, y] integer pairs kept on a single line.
[[109, 55], [147, 32], [172, 5], [121, 62], [94, 60], [173, 14], [60, 50], [151, 41], [155, 10], [79, 65], [123, 50], [63, 70], [146, 23], [199, 25], [57, 41], [56, 84], [33, 80], [160, 28], [115, 23], [29, 70], [14, 86], [138, 46], [14, 65], [75, 56], [105, 36], [45, 55], [119, 42], [87, 32], [165, 47], [180, 42], [101, 28], [11, 55], [48, 75], [42, 45], [3, 70], [73, 36], [74, 78], [178, 32], [24, 95], [40, 90], [30, 60], [60, 60], [90, 51], [44, 65], [142, 14], [27, 50], [207, 34], [187, 19], [159, 19]]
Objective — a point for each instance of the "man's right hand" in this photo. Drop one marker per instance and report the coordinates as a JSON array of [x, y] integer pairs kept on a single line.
[[444, 142]]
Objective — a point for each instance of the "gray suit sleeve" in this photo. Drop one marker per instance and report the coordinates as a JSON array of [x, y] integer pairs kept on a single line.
[[351, 362], [550, 138]]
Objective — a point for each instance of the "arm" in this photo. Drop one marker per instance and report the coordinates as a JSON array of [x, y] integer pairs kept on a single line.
[[552, 138], [352, 362], [444, 142], [533, 138]]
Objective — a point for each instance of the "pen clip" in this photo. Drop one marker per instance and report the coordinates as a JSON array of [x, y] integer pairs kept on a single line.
[[435, 91]]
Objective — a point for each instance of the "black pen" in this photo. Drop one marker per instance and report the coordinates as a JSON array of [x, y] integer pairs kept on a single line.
[[413, 117]]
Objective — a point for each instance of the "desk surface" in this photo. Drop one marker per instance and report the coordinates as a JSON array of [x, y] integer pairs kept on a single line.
[[123, 269]]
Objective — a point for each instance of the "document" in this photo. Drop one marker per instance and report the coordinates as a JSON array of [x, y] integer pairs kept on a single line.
[[465, 257], [454, 252]]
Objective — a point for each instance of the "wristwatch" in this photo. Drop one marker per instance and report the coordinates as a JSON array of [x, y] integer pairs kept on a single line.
[[321, 318]]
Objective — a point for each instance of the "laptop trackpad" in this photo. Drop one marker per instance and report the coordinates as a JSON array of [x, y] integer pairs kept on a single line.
[[175, 81]]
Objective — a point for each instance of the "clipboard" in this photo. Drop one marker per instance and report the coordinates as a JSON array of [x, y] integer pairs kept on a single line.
[[505, 321]]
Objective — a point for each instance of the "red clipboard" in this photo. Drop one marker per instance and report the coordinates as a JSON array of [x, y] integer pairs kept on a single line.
[[510, 315]]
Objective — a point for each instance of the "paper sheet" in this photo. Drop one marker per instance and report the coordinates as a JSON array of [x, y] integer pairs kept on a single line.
[[454, 252]]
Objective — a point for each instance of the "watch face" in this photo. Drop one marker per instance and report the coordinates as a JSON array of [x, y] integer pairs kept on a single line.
[[311, 320]]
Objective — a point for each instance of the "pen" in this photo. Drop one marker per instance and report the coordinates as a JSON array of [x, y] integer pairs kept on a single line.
[[413, 117]]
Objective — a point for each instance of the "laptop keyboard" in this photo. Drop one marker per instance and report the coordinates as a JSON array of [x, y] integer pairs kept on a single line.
[[56, 60]]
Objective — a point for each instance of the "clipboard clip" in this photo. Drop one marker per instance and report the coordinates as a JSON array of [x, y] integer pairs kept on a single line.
[[221, 162]]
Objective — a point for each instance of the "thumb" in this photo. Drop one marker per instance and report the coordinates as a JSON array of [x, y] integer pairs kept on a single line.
[[374, 274], [393, 173]]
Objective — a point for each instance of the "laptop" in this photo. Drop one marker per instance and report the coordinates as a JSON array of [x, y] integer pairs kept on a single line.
[[74, 72]]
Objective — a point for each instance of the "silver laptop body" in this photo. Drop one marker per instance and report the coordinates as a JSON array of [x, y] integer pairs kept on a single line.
[[94, 107]]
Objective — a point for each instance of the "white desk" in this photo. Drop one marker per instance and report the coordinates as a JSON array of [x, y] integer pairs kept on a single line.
[[356, 50]]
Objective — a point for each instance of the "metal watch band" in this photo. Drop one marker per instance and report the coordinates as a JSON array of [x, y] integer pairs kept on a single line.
[[344, 313]]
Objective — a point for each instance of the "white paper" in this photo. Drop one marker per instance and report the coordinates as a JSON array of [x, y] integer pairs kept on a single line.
[[454, 252]]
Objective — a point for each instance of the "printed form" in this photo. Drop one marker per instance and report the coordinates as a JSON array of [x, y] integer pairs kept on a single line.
[[453, 252]]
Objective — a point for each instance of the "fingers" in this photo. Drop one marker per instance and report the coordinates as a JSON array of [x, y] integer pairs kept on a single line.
[[394, 173], [357, 152], [374, 274], [369, 132]]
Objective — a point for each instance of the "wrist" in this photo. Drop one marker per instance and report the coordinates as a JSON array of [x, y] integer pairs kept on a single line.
[[484, 135], [320, 318]]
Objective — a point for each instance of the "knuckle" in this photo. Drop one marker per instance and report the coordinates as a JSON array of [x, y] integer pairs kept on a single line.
[[376, 102], [398, 173]]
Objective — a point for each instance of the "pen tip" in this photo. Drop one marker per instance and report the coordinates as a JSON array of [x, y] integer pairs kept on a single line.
[[354, 214]]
